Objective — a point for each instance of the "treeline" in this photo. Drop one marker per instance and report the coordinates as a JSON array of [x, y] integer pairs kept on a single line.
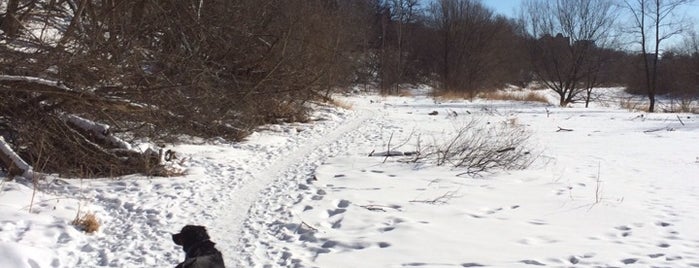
[[163, 70]]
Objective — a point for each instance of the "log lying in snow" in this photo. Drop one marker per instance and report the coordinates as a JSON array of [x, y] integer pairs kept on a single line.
[[99, 131], [15, 165]]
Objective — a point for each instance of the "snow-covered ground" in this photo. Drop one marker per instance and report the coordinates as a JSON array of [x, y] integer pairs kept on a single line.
[[620, 189]]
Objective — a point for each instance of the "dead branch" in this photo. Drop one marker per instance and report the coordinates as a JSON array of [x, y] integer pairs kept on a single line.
[[440, 200], [680, 119]]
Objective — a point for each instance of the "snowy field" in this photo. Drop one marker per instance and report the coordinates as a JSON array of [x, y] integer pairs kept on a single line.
[[619, 190]]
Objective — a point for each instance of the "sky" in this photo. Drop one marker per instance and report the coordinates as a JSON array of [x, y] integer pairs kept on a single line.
[[510, 8], [505, 7]]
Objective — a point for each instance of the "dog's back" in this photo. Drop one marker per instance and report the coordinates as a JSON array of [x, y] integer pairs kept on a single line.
[[206, 261]]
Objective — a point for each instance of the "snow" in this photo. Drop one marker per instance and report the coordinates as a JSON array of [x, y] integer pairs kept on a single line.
[[621, 189]]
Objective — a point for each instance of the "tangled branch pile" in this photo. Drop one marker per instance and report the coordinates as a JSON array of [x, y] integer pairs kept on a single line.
[[480, 148], [78, 76]]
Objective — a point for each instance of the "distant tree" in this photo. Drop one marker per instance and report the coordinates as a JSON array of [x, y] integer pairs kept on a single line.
[[398, 19], [654, 21], [567, 38], [473, 44]]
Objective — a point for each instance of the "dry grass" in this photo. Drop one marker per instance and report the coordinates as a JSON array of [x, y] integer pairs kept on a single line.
[[341, 104], [633, 105], [401, 92], [682, 106], [87, 223], [405, 93], [514, 96], [453, 95]]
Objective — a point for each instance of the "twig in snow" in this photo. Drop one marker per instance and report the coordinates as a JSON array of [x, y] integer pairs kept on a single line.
[[302, 225], [440, 200], [388, 148], [564, 129], [374, 208], [678, 118], [659, 129], [505, 150]]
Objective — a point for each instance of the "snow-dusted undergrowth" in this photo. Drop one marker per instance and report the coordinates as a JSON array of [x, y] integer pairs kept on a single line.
[[620, 189]]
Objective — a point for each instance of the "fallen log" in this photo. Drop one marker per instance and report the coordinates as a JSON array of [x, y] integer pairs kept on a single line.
[[15, 164]]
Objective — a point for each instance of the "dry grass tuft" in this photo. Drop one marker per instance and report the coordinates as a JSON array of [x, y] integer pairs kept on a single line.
[[513, 96], [88, 222]]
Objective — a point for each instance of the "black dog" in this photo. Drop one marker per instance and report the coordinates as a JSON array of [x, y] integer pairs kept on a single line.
[[200, 251]]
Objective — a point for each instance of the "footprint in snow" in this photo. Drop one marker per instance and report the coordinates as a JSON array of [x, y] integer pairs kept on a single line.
[[663, 245], [655, 256], [623, 228], [343, 203], [663, 224], [629, 261], [532, 262], [538, 222], [333, 212]]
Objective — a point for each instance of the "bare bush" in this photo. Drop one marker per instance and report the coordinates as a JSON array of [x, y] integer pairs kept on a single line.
[[162, 70], [482, 148]]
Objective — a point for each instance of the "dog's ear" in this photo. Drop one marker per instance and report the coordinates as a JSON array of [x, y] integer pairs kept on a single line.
[[195, 232]]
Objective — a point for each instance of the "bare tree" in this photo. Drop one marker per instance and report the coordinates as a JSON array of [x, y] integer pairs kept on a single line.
[[654, 21], [566, 39]]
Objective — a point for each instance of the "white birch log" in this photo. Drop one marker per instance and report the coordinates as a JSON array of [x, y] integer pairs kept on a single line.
[[35, 80], [101, 131], [13, 160]]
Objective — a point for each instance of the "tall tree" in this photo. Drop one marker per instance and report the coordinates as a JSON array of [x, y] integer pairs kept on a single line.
[[655, 20], [566, 39]]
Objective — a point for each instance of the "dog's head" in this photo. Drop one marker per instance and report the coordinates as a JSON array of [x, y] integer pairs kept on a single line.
[[190, 234]]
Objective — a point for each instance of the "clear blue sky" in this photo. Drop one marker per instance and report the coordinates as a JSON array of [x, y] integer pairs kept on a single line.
[[505, 7], [510, 8]]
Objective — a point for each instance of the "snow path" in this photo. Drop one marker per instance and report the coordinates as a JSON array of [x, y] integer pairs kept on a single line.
[[218, 194], [276, 181], [295, 176]]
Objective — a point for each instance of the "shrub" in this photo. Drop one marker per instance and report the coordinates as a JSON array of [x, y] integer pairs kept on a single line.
[[482, 148]]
